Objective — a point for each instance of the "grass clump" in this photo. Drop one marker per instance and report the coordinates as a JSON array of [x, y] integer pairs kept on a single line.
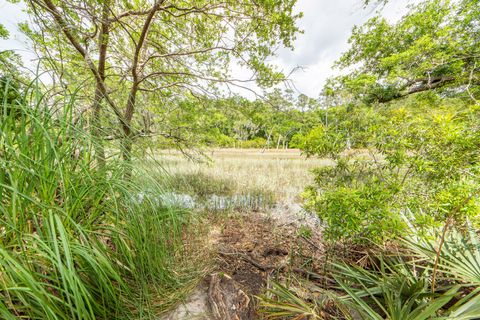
[[75, 243], [201, 184]]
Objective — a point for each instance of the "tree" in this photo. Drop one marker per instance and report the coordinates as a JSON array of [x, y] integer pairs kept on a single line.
[[433, 47], [146, 51], [407, 105]]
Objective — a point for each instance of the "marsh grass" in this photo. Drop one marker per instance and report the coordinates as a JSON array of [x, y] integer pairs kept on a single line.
[[234, 180], [274, 175], [74, 243], [201, 183]]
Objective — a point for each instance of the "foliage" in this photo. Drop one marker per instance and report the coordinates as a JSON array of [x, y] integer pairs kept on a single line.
[[282, 302], [394, 290], [354, 202], [433, 47], [157, 51], [422, 153], [409, 110], [9, 91], [411, 104], [75, 242], [273, 122], [393, 285], [254, 143], [459, 257], [10, 62], [401, 288], [323, 142]]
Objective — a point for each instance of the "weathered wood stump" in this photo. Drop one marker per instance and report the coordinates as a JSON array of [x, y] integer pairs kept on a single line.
[[227, 300]]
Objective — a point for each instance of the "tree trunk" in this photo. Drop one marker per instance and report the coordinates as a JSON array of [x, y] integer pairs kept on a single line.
[[127, 140], [279, 140], [267, 144], [96, 129], [99, 96]]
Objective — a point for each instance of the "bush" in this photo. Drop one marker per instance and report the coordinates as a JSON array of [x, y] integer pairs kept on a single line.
[[298, 141], [255, 143], [419, 157], [223, 141], [354, 204]]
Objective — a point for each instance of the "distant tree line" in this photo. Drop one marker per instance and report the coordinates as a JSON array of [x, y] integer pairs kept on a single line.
[[278, 121]]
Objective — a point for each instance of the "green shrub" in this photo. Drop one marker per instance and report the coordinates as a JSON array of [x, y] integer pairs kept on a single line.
[[222, 140], [324, 142], [354, 204], [298, 141], [255, 143], [420, 157]]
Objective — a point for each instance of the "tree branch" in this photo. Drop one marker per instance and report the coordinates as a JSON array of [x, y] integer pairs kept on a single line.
[[47, 4]]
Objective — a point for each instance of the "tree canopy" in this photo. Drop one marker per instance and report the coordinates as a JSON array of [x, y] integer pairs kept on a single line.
[[433, 47], [141, 54]]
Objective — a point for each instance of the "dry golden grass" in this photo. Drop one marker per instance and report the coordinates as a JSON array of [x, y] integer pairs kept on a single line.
[[285, 173]]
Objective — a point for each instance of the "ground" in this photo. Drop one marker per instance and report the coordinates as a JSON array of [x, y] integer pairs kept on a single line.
[[249, 245]]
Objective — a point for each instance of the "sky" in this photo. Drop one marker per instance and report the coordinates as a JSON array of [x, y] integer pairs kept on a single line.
[[327, 25]]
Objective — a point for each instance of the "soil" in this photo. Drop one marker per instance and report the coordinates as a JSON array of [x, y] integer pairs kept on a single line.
[[250, 250]]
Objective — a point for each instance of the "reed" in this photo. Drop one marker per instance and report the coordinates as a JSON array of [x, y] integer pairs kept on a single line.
[[75, 243]]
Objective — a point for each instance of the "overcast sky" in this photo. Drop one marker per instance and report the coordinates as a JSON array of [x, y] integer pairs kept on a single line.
[[326, 23]]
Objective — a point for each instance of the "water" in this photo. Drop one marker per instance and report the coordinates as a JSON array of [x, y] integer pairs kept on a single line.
[[289, 213], [212, 202]]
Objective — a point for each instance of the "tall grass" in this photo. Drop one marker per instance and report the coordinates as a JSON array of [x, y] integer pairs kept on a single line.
[[74, 241], [284, 174]]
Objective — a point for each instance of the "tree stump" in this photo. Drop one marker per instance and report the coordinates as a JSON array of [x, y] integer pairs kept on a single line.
[[227, 301]]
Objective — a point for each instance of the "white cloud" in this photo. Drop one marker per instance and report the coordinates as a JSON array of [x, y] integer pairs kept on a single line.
[[327, 25]]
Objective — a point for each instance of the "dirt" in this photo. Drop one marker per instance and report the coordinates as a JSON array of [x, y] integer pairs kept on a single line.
[[251, 243], [195, 307], [249, 251]]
